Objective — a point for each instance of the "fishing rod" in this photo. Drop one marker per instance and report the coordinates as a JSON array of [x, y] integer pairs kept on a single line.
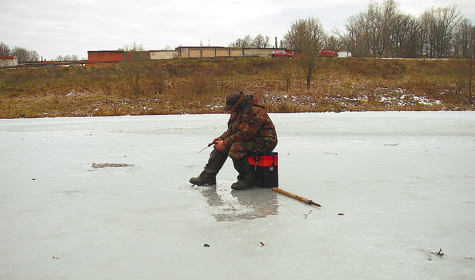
[[206, 147]]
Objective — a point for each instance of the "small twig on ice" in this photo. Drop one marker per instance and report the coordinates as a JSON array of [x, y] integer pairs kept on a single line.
[[307, 214], [440, 254]]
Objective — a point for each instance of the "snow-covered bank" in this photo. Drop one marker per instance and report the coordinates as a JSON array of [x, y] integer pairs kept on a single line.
[[404, 182]]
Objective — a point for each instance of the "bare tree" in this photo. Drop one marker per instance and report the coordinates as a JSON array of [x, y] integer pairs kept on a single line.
[[382, 30], [307, 36], [134, 47], [25, 55], [374, 32], [464, 78], [391, 19], [249, 42], [464, 39], [407, 37], [334, 43], [4, 49], [67, 58], [358, 38], [374, 24], [439, 26], [470, 79], [239, 43], [261, 42], [245, 42]]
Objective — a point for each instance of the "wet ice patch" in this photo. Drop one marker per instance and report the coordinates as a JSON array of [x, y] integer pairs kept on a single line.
[[226, 204]]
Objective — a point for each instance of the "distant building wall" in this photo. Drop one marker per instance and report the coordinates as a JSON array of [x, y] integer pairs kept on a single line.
[[211, 52], [235, 52], [194, 53], [263, 52], [208, 52], [116, 56], [180, 52], [222, 52], [228, 52], [157, 55], [137, 56], [105, 56], [8, 61]]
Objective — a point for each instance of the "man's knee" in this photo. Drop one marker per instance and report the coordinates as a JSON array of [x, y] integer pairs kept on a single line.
[[238, 150]]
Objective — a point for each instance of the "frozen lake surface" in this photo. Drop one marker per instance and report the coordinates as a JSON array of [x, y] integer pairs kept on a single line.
[[109, 198]]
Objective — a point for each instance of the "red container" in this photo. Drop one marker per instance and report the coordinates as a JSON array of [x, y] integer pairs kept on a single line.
[[265, 171]]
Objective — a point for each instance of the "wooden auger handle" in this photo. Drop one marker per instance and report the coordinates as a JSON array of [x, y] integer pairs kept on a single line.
[[303, 199]]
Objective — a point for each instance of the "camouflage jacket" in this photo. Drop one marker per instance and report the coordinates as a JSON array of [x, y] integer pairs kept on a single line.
[[249, 122]]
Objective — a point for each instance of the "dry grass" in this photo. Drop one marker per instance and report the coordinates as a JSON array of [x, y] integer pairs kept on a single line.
[[200, 86]]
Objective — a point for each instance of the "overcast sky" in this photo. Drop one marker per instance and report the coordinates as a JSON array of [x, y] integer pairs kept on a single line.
[[73, 27]]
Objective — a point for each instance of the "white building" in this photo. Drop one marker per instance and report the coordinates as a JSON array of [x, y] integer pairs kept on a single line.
[[8, 61]]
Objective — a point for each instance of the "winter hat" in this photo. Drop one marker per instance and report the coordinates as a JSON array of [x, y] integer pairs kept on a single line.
[[231, 100]]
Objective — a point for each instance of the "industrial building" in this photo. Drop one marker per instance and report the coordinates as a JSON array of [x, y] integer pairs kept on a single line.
[[181, 52]]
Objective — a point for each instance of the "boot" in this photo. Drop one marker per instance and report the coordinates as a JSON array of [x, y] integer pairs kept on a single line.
[[208, 176], [245, 174]]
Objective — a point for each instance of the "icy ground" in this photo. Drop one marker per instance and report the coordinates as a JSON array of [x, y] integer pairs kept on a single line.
[[109, 198]]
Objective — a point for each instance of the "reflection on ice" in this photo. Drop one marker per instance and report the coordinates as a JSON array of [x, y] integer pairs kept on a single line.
[[227, 205]]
